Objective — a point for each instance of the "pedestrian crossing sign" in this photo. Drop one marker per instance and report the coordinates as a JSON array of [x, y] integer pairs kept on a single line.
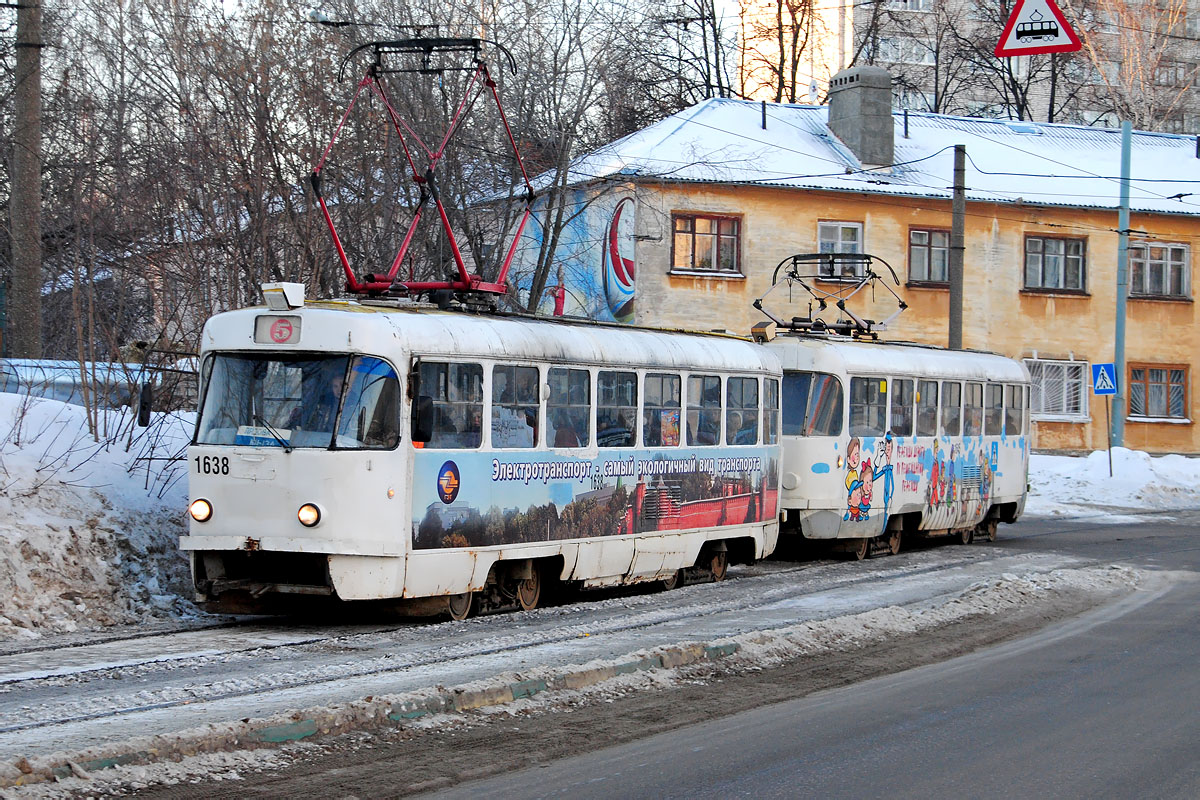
[[1104, 379]]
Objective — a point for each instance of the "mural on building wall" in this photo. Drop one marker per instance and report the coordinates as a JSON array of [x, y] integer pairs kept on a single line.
[[596, 255]]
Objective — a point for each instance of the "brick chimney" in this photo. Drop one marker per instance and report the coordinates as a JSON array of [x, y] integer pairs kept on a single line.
[[860, 113]]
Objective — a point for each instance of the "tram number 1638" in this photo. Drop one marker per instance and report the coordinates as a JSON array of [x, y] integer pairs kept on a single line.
[[212, 465]]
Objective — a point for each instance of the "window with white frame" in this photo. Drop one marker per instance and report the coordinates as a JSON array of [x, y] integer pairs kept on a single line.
[[910, 5], [1162, 270], [1055, 263], [840, 237], [1059, 389]]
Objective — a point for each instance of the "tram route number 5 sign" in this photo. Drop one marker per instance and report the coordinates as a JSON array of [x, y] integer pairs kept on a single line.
[[1036, 26]]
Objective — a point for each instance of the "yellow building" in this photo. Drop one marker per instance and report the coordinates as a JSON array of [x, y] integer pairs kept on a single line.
[[704, 205]]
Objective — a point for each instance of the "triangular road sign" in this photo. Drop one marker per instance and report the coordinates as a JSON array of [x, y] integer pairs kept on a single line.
[[1036, 26]]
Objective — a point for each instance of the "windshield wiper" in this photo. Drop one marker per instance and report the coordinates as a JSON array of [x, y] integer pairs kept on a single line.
[[287, 448]]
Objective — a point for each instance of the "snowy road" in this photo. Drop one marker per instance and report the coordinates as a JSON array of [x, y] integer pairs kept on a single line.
[[78, 697]]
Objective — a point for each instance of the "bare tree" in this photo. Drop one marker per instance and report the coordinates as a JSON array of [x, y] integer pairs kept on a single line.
[[1144, 63], [777, 39]]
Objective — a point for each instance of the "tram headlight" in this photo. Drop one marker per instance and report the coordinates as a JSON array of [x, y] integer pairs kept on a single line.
[[309, 515], [201, 510]]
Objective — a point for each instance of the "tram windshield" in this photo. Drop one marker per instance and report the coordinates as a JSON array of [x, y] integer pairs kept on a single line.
[[299, 401], [812, 404]]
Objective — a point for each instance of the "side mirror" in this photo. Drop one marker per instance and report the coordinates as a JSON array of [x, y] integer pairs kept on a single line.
[[145, 402], [422, 419]]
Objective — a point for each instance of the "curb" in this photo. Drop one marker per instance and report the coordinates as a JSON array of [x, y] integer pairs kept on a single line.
[[352, 716]]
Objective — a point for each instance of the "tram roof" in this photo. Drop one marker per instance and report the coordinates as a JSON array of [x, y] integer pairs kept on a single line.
[[341, 326], [894, 358]]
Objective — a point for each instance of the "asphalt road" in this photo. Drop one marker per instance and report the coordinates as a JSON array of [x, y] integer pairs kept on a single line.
[[1103, 705]]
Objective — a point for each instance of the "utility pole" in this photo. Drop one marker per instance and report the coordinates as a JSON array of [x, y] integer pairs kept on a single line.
[[958, 224], [1118, 420], [25, 204]]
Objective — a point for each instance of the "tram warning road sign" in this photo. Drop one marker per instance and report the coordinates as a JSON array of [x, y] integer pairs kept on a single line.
[[1104, 379], [1036, 26]]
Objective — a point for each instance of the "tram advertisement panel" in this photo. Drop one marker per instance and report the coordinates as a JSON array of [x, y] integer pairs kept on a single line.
[[477, 499]]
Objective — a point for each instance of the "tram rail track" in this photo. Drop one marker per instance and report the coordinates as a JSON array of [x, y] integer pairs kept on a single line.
[[47, 715]]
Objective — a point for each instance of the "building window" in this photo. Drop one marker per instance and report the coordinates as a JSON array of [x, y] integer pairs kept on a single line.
[[905, 50], [1054, 264], [1158, 391], [1059, 389], [928, 256], [706, 244], [840, 237], [1162, 270]]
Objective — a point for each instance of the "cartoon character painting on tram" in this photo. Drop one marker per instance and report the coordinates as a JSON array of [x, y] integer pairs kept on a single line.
[[944, 431]]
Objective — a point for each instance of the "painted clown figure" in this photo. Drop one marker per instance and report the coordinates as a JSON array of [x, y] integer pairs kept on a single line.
[[854, 486]]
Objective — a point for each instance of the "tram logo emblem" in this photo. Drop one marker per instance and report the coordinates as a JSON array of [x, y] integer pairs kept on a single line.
[[448, 482]]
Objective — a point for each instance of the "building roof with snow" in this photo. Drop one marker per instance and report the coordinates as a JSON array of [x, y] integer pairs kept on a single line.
[[724, 141]]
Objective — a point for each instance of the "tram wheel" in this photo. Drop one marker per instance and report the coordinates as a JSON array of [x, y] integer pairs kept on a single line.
[[673, 582], [529, 591], [966, 535], [988, 529], [719, 565], [462, 606], [893, 542], [861, 548]]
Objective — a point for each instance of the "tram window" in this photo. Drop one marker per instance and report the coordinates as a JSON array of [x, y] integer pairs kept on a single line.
[[453, 394], [569, 409], [770, 411], [371, 408], [616, 409], [868, 406], [973, 410], [927, 406], [514, 406], [812, 404], [993, 421], [741, 411], [704, 410], [902, 407], [951, 408], [660, 414], [1014, 410]]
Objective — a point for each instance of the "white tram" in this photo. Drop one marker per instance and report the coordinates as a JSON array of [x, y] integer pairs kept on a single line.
[[882, 440], [367, 452]]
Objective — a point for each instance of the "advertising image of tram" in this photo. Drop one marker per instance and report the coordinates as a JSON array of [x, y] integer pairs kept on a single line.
[[369, 451]]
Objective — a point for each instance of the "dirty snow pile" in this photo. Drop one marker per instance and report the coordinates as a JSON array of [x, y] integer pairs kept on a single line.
[[89, 527], [1061, 486]]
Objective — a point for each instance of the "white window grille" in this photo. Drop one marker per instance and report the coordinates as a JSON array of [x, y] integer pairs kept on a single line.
[[1060, 389]]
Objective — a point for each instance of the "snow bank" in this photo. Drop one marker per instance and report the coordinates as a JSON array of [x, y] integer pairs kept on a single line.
[[1067, 486], [89, 527]]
